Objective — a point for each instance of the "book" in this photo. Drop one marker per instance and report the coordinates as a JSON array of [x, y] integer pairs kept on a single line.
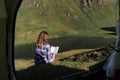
[[54, 49]]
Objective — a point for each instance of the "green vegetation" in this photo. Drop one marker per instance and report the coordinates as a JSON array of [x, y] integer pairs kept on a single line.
[[74, 29], [68, 26], [62, 18], [77, 61]]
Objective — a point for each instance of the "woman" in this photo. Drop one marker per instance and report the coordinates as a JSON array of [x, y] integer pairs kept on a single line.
[[42, 49]]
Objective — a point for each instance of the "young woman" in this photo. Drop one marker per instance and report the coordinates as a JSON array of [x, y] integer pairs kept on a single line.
[[42, 49]]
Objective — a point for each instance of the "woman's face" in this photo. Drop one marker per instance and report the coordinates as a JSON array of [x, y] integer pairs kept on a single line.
[[46, 36]]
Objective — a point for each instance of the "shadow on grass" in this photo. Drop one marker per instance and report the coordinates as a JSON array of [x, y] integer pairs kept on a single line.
[[65, 43], [45, 72], [111, 29], [57, 72]]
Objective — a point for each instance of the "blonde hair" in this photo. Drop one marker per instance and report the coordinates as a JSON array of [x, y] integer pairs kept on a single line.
[[41, 39]]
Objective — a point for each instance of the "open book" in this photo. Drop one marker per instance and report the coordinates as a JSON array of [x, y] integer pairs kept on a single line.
[[54, 49]]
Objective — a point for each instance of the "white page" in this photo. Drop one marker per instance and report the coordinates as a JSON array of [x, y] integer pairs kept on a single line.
[[54, 49]]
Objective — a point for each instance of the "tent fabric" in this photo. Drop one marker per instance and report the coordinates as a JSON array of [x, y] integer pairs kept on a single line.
[[110, 65], [10, 12], [3, 13], [113, 60], [117, 45], [3, 57]]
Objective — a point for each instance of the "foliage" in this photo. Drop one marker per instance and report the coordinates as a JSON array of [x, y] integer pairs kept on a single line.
[[61, 18], [78, 62]]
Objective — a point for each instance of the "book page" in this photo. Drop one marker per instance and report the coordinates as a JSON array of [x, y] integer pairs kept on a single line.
[[54, 49]]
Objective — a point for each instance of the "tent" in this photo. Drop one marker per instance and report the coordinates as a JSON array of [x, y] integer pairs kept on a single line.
[[8, 12]]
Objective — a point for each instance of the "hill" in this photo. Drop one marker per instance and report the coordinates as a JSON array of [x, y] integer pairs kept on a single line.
[[63, 18], [73, 25]]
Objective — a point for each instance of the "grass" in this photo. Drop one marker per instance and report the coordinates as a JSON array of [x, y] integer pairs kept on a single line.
[[26, 67], [74, 30], [21, 64], [30, 62], [70, 62], [26, 51], [62, 18]]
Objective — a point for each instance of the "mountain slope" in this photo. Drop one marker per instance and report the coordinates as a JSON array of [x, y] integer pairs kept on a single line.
[[62, 18]]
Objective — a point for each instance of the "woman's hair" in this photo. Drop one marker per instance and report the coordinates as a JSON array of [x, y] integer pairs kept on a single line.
[[41, 38]]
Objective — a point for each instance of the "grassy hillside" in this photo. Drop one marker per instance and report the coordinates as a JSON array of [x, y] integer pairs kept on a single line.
[[62, 18], [74, 29], [69, 26], [76, 62]]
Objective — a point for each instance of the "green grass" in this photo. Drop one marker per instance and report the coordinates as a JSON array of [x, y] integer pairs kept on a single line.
[[26, 67], [69, 27], [62, 18], [70, 62]]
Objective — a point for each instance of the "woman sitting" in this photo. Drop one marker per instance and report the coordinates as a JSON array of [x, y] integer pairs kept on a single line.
[[42, 49]]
